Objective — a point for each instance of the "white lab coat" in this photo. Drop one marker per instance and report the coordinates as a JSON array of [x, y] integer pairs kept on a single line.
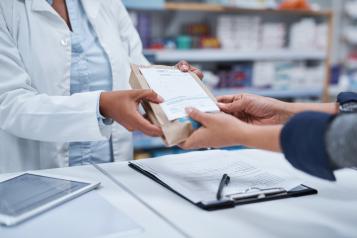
[[38, 117]]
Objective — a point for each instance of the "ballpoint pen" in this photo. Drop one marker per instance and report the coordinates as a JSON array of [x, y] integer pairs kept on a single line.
[[224, 182]]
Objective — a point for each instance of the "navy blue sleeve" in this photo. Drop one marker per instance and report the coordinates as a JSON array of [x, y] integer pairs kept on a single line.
[[304, 146]]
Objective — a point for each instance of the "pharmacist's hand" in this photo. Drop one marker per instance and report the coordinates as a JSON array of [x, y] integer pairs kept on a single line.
[[184, 66], [218, 130], [255, 109], [122, 106]]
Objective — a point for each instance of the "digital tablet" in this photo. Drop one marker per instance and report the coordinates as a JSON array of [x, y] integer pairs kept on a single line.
[[28, 194]]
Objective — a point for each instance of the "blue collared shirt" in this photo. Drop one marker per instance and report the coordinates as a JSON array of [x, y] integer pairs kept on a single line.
[[90, 71]]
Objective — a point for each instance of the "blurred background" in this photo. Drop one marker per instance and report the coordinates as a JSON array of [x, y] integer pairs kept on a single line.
[[294, 50]]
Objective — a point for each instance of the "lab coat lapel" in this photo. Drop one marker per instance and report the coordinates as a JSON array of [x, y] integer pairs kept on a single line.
[[91, 7], [41, 6]]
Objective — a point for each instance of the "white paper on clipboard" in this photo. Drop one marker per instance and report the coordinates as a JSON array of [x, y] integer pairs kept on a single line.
[[197, 175]]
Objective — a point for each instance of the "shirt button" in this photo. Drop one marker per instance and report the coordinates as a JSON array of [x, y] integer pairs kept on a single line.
[[64, 42]]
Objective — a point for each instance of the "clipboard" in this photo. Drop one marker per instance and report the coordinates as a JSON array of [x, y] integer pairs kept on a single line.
[[250, 196]]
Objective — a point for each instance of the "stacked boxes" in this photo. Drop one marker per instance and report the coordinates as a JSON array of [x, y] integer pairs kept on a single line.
[[273, 36], [239, 32], [249, 33], [307, 34]]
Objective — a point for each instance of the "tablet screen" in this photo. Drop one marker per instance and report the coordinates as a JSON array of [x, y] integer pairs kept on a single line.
[[28, 191]]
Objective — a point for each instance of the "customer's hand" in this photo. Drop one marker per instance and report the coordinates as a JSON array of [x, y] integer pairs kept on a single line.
[[218, 130], [222, 130], [122, 106], [255, 109], [186, 67]]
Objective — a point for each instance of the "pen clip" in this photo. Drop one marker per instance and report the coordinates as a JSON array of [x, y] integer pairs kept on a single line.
[[224, 182], [256, 192]]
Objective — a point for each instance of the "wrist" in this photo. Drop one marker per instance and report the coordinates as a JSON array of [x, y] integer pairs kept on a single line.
[[242, 135], [261, 137], [103, 102], [335, 108], [287, 110], [331, 108]]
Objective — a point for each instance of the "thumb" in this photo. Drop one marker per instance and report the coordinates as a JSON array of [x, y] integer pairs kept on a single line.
[[234, 107], [198, 116], [224, 106], [150, 95]]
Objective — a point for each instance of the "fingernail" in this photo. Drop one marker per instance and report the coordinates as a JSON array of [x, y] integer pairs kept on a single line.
[[189, 110], [160, 98]]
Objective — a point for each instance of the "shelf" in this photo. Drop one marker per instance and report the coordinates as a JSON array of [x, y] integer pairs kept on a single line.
[[219, 8], [195, 7], [215, 55], [275, 93]]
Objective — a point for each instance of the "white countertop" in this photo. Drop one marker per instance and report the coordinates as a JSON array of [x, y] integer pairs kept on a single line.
[[153, 226], [331, 213]]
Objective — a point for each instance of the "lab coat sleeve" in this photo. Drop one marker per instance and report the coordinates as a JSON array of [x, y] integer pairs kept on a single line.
[[130, 36], [26, 113]]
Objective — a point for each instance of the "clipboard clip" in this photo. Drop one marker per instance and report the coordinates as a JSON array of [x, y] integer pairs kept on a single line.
[[258, 193]]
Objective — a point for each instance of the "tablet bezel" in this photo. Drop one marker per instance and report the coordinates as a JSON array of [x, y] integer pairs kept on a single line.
[[13, 220]]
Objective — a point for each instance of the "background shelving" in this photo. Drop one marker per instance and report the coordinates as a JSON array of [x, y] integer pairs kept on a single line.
[[348, 45], [275, 93], [212, 7]]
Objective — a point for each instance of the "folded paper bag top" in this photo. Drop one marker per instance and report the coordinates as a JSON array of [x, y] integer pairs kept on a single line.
[[177, 130]]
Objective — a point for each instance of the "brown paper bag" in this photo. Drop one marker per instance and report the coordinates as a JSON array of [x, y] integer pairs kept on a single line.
[[174, 132]]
